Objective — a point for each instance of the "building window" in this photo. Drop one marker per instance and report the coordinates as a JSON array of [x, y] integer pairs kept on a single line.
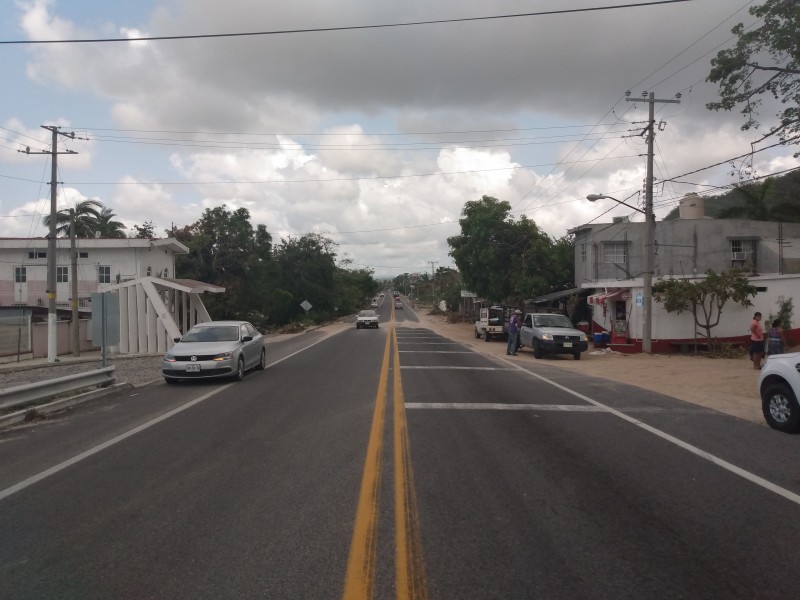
[[20, 274], [104, 274], [615, 252], [583, 253], [742, 251], [149, 272], [83, 255], [33, 254], [62, 274]]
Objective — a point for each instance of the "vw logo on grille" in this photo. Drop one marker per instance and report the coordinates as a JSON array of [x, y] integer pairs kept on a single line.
[[194, 359]]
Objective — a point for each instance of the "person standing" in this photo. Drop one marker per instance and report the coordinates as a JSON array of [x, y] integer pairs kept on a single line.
[[756, 341], [776, 342], [513, 332]]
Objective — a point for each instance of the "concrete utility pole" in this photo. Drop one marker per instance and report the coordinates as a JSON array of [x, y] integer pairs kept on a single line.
[[75, 325], [52, 315], [433, 279], [650, 222]]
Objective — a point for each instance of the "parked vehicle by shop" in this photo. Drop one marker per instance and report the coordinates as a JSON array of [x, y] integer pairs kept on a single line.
[[493, 321], [546, 333], [779, 387]]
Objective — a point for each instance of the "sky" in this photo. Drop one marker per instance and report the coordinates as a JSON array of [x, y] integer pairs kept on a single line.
[[363, 121]]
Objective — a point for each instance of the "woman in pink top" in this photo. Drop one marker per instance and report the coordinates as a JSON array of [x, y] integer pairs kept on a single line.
[[756, 341]]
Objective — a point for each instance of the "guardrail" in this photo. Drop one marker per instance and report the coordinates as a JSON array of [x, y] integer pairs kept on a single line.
[[44, 390]]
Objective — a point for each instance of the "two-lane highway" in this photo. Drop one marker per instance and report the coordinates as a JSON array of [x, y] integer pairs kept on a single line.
[[395, 463]]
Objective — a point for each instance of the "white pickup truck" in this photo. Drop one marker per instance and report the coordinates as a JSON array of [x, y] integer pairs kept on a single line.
[[491, 322], [547, 333]]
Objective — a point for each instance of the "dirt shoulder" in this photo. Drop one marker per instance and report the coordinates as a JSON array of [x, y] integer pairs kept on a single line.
[[727, 385]]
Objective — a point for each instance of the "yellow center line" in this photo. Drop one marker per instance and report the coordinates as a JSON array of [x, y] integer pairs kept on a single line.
[[411, 581], [360, 579]]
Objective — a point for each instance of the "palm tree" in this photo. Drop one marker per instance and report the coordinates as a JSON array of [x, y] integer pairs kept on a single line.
[[107, 227], [86, 216]]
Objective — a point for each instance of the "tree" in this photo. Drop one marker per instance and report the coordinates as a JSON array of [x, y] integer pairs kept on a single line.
[[704, 298], [507, 260], [87, 213], [107, 227], [306, 270], [765, 62], [146, 231]]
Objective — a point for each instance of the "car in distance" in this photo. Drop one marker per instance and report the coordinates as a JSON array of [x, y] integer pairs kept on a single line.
[[547, 333], [374, 303], [367, 318], [215, 349], [779, 387], [398, 303]]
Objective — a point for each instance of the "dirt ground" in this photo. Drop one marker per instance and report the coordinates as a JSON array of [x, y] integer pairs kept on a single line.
[[727, 385]]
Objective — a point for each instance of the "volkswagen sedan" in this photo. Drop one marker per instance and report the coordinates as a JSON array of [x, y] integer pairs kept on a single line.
[[215, 349]]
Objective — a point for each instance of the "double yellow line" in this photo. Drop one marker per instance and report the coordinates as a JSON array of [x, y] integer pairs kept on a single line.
[[410, 580]]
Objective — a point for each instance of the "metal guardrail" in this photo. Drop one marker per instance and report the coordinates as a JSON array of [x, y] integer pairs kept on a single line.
[[44, 390]]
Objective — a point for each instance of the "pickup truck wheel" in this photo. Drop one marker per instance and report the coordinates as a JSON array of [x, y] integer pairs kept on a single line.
[[577, 355], [537, 351], [477, 333], [486, 336], [780, 408]]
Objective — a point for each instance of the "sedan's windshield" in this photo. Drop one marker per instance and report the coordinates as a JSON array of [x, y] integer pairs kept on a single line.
[[212, 334], [552, 321], [367, 313]]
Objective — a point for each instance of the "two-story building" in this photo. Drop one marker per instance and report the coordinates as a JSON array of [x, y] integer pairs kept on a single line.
[[154, 306], [609, 260]]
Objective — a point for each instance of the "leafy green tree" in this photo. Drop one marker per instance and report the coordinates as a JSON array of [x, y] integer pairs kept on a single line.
[[704, 298], [507, 260], [306, 269], [87, 212], [765, 62], [107, 227], [146, 231]]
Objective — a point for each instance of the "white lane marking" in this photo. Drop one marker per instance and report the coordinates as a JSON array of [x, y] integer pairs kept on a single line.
[[434, 343], [545, 407], [434, 352], [752, 477], [92, 451], [123, 436]]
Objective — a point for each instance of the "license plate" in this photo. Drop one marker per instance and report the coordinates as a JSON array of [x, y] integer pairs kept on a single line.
[[566, 345], [192, 368]]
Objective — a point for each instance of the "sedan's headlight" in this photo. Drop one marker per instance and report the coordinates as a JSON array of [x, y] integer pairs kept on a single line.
[[584, 338], [169, 357], [547, 336], [222, 356]]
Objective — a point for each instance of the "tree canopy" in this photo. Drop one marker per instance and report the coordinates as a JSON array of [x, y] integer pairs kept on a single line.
[[501, 259], [765, 62]]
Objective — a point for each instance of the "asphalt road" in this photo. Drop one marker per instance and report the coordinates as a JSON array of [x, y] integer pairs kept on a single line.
[[394, 463]]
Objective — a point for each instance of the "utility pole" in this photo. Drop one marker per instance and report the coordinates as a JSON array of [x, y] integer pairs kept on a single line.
[[52, 315], [433, 279], [650, 223], [75, 337]]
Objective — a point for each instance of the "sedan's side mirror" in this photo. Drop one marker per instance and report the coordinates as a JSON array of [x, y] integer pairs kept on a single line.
[[247, 338], [176, 339]]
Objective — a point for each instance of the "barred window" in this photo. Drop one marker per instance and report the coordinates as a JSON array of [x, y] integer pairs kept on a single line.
[[62, 274], [20, 275], [615, 252]]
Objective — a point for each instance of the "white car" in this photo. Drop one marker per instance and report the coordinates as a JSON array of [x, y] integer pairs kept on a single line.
[[367, 318], [779, 387], [215, 349]]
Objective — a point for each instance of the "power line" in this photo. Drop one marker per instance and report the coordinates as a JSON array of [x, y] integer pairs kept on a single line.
[[344, 28]]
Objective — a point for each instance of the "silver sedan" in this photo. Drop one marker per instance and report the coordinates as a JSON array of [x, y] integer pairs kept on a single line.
[[215, 349]]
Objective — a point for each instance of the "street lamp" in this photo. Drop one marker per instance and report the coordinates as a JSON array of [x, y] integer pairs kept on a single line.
[[648, 266]]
